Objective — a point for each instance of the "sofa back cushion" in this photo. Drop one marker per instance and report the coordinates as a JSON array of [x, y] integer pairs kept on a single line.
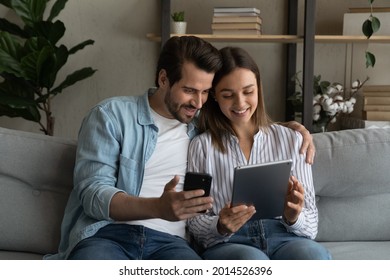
[[351, 177], [36, 177]]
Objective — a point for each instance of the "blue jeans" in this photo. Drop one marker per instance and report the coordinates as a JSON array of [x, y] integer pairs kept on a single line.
[[265, 240], [132, 242]]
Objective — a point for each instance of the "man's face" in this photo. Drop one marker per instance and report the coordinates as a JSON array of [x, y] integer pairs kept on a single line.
[[184, 98]]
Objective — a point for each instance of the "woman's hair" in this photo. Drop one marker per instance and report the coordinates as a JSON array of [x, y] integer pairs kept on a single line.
[[211, 117], [178, 50]]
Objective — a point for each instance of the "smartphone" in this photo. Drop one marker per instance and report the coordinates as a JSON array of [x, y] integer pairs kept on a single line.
[[195, 181]]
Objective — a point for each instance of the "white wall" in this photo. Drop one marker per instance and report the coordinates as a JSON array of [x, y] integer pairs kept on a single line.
[[126, 59]]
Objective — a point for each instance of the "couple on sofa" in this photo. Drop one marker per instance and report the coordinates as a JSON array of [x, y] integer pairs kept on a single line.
[[127, 146]]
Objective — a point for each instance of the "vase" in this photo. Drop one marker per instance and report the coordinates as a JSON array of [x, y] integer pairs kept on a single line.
[[319, 127], [178, 27]]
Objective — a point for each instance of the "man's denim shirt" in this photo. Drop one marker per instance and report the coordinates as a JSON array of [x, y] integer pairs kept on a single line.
[[116, 139]]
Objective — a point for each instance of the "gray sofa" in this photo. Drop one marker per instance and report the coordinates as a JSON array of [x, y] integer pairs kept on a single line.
[[351, 176]]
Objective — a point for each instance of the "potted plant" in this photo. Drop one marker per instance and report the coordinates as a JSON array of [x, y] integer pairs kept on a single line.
[[30, 59], [329, 101], [178, 25]]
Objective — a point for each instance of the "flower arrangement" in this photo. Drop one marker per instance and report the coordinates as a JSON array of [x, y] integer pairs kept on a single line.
[[330, 100]]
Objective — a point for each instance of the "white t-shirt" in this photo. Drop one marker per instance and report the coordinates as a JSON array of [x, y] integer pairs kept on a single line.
[[168, 159]]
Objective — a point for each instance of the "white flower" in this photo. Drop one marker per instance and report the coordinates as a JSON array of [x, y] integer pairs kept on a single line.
[[356, 84], [331, 90], [333, 120], [317, 109], [345, 108], [353, 100], [339, 88], [317, 97], [316, 117]]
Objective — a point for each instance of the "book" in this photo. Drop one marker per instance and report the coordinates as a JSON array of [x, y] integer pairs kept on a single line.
[[354, 123], [235, 15], [376, 107], [236, 10], [236, 32], [376, 93], [235, 19], [376, 88], [245, 25], [368, 10], [376, 115], [375, 100]]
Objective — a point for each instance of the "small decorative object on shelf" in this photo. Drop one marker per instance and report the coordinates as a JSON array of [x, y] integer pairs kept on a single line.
[[330, 100], [178, 25]]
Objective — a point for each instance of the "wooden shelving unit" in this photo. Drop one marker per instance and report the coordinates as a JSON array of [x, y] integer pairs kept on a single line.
[[308, 39], [286, 39]]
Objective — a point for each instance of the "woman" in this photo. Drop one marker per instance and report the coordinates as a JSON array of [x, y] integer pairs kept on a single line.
[[237, 131]]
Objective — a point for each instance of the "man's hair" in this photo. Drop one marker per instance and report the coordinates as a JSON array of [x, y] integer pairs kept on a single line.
[[178, 50], [211, 117]]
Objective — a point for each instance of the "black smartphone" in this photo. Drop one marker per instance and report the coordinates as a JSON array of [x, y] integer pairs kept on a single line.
[[195, 181]]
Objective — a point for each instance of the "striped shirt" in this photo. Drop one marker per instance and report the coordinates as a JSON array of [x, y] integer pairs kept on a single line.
[[277, 143]]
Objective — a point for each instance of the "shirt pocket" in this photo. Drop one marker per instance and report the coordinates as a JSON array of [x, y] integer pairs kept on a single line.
[[129, 175]]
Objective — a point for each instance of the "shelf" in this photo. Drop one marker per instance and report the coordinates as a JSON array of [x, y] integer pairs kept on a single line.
[[281, 38], [238, 38], [351, 39]]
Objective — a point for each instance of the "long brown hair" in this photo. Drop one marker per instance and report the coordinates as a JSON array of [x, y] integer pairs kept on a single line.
[[211, 117]]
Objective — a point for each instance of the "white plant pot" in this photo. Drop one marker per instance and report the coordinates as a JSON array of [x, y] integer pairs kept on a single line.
[[178, 27]]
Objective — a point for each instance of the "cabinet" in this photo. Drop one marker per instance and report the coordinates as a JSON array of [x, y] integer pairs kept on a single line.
[[290, 40]]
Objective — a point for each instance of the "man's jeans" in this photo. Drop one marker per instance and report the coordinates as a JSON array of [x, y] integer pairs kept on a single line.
[[132, 242], [264, 240]]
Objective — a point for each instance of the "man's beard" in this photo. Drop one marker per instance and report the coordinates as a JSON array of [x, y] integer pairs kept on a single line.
[[174, 109]]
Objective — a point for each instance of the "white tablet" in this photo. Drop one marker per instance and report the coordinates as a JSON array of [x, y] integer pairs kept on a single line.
[[262, 185]]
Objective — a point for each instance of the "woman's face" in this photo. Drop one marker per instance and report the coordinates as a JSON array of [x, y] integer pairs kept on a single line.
[[237, 96]]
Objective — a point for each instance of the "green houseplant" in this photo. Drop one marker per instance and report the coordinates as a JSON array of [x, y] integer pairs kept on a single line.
[[30, 59], [178, 16], [178, 25], [369, 27]]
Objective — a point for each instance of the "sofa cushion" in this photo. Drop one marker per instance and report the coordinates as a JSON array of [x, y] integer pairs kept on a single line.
[[352, 181], [36, 175]]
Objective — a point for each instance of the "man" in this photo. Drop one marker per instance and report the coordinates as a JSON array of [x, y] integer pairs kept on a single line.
[[128, 148]]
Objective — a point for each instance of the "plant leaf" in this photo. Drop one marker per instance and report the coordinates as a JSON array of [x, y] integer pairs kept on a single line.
[[375, 24], [6, 3], [58, 6], [49, 72], [370, 59], [367, 28], [81, 46], [12, 28], [74, 78], [30, 11], [9, 55], [53, 32], [16, 100]]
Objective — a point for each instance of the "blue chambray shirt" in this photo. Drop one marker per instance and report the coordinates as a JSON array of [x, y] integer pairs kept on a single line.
[[116, 139]]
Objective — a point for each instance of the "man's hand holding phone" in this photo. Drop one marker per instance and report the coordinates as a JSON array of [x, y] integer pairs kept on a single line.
[[176, 206], [196, 181]]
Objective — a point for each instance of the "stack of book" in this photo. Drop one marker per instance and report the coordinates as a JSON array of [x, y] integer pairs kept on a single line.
[[236, 21], [376, 106]]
